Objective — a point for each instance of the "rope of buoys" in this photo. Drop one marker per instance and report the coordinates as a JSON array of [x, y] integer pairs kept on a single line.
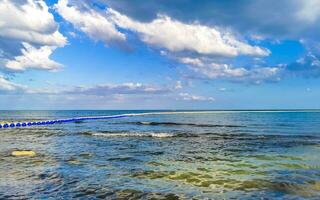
[[57, 121], [7, 125]]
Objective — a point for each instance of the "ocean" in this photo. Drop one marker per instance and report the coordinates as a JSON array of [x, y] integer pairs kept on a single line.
[[216, 155]]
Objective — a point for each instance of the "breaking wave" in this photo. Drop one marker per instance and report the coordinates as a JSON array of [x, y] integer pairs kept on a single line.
[[183, 124], [146, 134]]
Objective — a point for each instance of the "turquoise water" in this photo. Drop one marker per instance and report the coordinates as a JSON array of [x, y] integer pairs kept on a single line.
[[241, 155]]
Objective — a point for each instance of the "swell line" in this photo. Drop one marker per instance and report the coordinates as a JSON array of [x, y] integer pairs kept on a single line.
[[184, 124]]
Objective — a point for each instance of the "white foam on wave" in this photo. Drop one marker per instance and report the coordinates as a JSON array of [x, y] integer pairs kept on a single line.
[[147, 134], [146, 123]]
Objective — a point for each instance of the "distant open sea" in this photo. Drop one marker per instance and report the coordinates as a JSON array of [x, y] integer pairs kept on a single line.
[[218, 155]]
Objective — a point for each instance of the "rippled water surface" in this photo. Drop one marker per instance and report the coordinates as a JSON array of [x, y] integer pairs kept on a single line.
[[242, 155]]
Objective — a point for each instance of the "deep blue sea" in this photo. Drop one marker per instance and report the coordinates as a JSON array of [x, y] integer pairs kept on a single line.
[[218, 155]]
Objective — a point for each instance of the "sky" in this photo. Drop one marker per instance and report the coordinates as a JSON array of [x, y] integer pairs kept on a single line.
[[168, 54]]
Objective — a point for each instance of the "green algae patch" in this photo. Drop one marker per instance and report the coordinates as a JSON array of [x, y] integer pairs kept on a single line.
[[304, 190], [253, 184], [315, 186], [275, 157], [151, 174], [244, 172], [295, 166], [243, 165]]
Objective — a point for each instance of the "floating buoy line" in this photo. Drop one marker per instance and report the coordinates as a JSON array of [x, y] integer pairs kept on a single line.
[[79, 119], [57, 121]]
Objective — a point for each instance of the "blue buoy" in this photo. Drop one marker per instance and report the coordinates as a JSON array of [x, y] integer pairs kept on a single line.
[[5, 126], [29, 124], [12, 125], [24, 124], [18, 124]]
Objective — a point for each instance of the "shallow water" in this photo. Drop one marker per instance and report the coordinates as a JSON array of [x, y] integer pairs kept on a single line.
[[242, 155]]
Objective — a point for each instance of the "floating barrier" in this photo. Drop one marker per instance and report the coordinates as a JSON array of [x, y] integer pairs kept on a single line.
[[58, 121], [7, 125]]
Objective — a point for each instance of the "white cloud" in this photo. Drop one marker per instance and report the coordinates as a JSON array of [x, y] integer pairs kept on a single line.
[[29, 35], [6, 85], [29, 22], [307, 66], [205, 68], [190, 61], [9, 87], [178, 85], [177, 36], [91, 22], [125, 92], [162, 32], [189, 97], [125, 88], [37, 58], [118, 91], [214, 70], [309, 11], [222, 89], [207, 49], [173, 36]]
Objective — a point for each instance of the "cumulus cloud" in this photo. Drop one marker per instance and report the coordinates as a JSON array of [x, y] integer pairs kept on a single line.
[[28, 29], [259, 20], [30, 22], [272, 18], [37, 58], [190, 97], [205, 46], [165, 33], [176, 36], [91, 22], [307, 66], [205, 68]]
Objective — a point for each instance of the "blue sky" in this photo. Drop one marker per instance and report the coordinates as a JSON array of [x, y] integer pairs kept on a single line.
[[182, 54]]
